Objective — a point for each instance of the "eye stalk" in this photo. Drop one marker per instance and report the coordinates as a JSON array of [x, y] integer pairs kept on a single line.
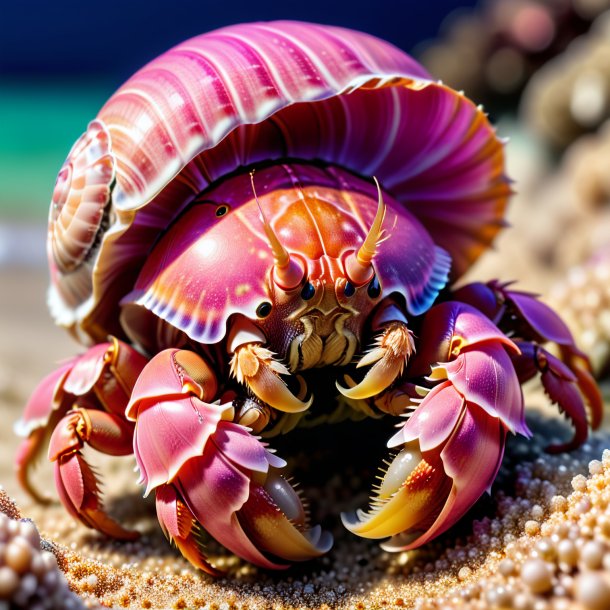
[[359, 265], [287, 271]]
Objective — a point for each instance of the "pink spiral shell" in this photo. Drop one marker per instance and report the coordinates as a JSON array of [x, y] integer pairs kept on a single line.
[[79, 202], [266, 91], [81, 194]]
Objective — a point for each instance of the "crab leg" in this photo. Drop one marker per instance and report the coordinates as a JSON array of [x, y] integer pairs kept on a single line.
[[451, 447], [210, 473], [568, 382], [561, 386], [76, 483], [101, 378]]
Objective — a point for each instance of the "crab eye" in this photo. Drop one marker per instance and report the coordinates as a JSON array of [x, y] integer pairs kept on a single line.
[[264, 309], [349, 289], [308, 291], [374, 289], [221, 210]]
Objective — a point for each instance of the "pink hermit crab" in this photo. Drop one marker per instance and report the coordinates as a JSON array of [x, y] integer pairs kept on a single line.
[[208, 292]]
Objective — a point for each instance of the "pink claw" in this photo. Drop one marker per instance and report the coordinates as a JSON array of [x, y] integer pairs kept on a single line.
[[101, 378], [453, 444], [212, 474], [75, 481], [42, 412]]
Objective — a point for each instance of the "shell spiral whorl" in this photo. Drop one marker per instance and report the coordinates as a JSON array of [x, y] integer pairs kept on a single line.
[[80, 198]]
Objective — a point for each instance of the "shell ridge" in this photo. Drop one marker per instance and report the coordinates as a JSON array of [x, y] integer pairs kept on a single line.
[[231, 91], [424, 160], [152, 105], [315, 61], [391, 138], [272, 73]]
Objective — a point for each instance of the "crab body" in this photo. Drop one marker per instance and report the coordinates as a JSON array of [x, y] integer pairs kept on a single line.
[[321, 215], [219, 220]]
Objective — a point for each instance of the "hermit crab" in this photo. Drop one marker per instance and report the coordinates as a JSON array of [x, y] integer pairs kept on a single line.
[[263, 203]]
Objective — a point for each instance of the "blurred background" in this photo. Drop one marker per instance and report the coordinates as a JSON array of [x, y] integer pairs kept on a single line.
[[59, 62]]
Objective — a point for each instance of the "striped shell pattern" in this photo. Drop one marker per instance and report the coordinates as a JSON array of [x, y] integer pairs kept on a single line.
[[251, 93]]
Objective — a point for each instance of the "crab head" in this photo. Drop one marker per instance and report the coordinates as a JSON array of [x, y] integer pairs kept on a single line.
[[317, 306]]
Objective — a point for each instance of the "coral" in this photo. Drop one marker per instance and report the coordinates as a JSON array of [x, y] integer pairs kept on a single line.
[[570, 95], [29, 574], [491, 51], [583, 298]]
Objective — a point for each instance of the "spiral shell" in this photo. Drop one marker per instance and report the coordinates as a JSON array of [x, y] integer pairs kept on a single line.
[[252, 93], [78, 205]]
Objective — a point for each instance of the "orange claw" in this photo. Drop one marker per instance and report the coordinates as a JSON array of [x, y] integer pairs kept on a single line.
[[180, 527], [76, 483], [256, 367]]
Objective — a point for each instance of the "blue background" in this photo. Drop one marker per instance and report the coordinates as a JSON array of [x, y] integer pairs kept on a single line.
[[60, 61]]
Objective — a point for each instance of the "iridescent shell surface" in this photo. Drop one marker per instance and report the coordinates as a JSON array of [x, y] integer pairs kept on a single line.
[[251, 93]]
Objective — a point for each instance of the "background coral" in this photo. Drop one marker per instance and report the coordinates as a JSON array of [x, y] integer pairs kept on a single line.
[[30, 577]]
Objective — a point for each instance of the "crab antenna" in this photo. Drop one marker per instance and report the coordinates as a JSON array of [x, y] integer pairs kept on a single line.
[[359, 266], [369, 247], [288, 273]]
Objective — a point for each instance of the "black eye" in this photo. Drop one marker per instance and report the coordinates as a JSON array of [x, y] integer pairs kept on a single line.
[[349, 289], [221, 210], [374, 289], [308, 291], [264, 309]]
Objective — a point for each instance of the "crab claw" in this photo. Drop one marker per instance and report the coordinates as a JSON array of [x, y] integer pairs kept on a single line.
[[76, 483], [389, 358], [210, 474], [255, 366], [452, 445], [101, 378]]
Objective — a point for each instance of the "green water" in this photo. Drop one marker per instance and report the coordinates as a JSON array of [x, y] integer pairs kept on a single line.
[[39, 122]]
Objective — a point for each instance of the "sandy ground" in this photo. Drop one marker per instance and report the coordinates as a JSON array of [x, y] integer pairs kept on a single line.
[[459, 569], [30, 345]]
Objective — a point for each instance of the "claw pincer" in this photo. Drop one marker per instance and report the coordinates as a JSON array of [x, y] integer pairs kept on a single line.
[[82, 403], [211, 474], [452, 445]]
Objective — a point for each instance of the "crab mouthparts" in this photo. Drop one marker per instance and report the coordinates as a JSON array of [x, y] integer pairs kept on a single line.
[[324, 341], [324, 324]]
